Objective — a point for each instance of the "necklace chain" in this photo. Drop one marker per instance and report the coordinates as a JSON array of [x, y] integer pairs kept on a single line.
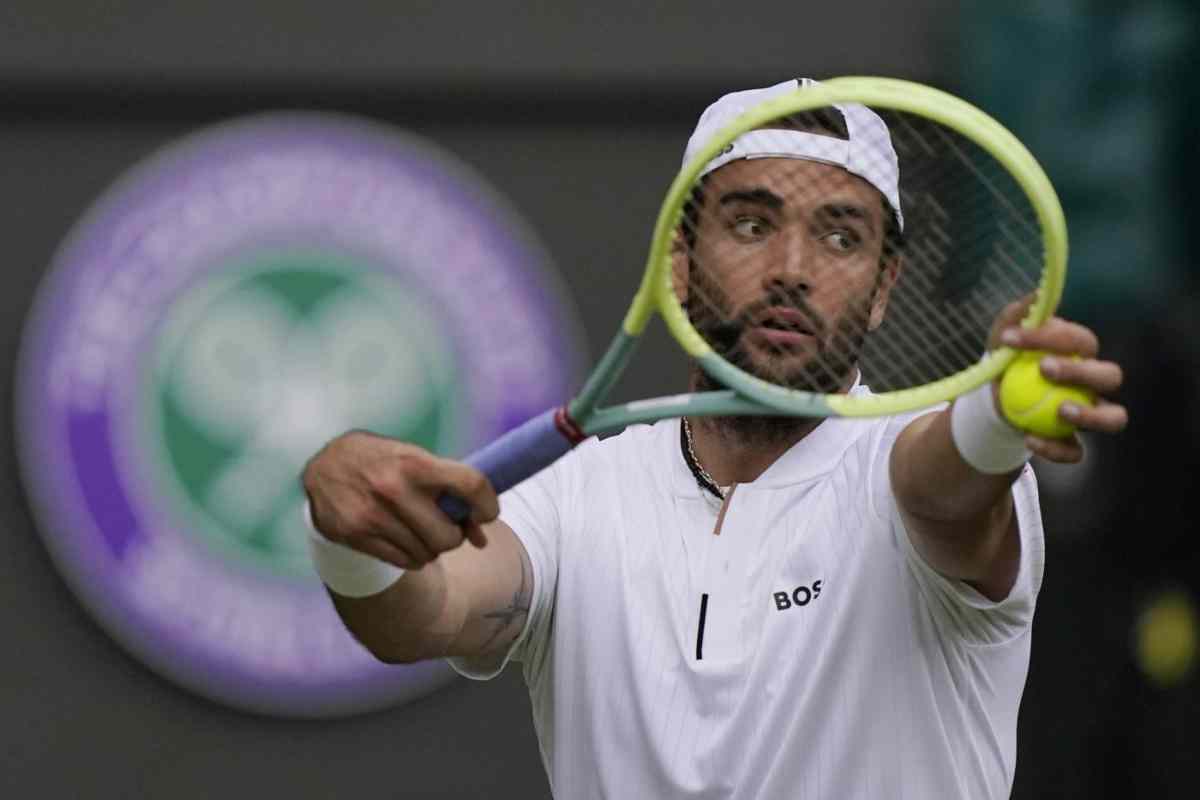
[[704, 476]]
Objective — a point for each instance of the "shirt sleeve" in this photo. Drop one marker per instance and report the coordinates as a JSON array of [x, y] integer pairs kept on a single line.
[[532, 510], [957, 605]]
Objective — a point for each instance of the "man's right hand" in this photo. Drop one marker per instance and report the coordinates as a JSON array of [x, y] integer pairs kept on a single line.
[[378, 496]]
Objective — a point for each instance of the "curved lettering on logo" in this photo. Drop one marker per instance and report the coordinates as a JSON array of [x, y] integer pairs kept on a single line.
[[229, 306]]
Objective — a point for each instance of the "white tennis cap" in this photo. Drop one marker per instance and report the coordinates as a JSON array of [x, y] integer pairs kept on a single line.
[[868, 153]]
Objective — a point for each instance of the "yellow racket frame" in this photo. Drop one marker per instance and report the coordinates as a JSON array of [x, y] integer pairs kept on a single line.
[[656, 292]]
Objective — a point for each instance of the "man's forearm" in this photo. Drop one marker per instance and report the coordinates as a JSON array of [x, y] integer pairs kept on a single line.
[[378, 498], [960, 520], [409, 621], [932, 481]]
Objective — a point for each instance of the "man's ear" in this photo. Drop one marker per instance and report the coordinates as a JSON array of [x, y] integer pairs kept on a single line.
[[889, 273], [679, 266]]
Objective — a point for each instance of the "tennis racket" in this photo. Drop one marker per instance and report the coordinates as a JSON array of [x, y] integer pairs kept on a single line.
[[856, 224]]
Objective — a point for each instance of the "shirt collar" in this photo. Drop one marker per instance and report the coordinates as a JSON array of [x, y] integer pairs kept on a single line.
[[815, 454]]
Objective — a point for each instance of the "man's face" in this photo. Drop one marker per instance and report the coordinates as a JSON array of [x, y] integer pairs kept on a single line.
[[785, 275]]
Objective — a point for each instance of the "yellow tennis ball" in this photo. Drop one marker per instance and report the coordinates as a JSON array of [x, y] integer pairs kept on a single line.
[[1030, 401], [1167, 638]]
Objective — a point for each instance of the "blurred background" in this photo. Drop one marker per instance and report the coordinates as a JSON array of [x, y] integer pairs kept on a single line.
[[577, 113]]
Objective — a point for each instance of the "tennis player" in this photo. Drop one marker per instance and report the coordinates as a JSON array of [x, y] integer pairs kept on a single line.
[[772, 608]]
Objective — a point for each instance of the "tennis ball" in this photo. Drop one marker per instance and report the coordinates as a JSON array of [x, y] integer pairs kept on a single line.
[[1166, 641], [1030, 401]]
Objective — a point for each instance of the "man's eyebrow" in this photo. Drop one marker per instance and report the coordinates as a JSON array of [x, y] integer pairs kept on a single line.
[[840, 210], [764, 197]]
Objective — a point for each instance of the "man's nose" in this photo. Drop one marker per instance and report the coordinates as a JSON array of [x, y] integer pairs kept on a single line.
[[790, 267]]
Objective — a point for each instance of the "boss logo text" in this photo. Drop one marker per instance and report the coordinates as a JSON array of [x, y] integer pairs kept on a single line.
[[800, 596]]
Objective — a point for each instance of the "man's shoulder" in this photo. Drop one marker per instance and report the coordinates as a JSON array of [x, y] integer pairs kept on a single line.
[[884, 429], [858, 448], [641, 442], [635, 451]]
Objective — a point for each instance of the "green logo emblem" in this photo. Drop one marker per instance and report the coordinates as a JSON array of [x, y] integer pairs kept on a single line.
[[253, 375]]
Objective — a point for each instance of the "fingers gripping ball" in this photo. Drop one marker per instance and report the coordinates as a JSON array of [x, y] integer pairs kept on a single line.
[[1030, 400]]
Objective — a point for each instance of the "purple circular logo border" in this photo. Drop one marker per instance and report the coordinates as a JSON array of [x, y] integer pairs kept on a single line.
[[90, 518]]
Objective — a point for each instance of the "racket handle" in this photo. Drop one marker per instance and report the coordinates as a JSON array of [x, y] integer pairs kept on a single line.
[[518, 454]]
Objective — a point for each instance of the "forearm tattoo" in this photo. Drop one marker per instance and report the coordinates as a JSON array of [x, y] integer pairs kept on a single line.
[[511, 618]]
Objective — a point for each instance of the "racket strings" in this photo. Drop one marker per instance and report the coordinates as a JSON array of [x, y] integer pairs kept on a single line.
[[788, 276]]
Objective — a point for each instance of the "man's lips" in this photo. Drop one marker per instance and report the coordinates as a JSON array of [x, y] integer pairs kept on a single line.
[[783, 326], [778, 338], [777, 327], [785, 318]]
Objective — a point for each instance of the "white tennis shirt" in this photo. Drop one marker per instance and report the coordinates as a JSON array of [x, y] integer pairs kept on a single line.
[[832, 662]]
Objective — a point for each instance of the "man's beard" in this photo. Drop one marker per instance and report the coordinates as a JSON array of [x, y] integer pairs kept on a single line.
[[759, 431], [826, 371]]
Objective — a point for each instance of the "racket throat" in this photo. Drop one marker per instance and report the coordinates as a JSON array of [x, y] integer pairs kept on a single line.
[[603, 377], [568, 427]]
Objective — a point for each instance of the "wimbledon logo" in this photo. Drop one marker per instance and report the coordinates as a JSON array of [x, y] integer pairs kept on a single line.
[[220, 314]]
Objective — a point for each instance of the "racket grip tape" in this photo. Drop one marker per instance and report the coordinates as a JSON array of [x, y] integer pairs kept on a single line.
[[517, 455]]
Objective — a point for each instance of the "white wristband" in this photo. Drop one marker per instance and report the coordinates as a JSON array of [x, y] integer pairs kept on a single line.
[[983, 438], [347, 571]]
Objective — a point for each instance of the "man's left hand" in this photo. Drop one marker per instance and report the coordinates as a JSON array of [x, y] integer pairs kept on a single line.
[[1071, 359]]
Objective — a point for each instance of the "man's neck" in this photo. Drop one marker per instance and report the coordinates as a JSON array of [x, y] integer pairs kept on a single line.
[[730, 456], [738, 450]]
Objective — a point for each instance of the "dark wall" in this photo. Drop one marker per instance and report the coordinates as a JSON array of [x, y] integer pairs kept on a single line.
[[501, 44]]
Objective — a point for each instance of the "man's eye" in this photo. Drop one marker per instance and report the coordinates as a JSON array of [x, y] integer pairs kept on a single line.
[[842, 241], [751, 227]]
